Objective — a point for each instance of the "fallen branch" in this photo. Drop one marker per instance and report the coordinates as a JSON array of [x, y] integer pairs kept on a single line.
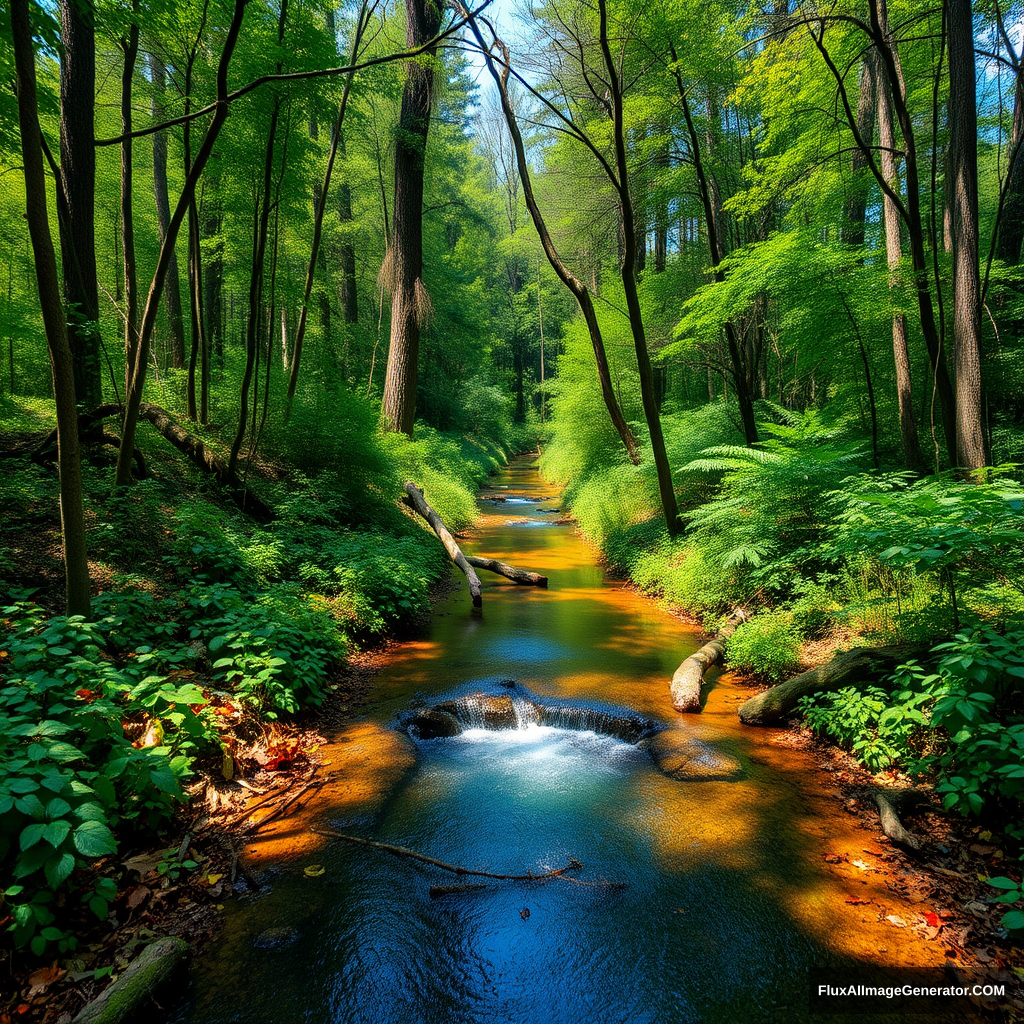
[[455, 869], [849, 668], [689, 677], [414, 499], [284, 805], [510, 572], [889, 806]]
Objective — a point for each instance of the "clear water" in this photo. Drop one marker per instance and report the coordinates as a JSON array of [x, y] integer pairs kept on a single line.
[[728, 904]]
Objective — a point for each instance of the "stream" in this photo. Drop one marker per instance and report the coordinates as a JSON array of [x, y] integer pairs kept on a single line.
[[730, 904]]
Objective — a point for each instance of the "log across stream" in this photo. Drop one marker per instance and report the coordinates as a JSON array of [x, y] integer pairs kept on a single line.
[[736, 885]]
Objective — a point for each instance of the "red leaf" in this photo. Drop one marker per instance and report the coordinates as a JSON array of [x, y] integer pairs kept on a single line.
[[932, 920]]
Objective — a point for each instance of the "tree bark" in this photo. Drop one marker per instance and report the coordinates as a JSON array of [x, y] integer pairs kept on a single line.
[[912, 458], [416, 500], [78, 174], [158, 76], [963, 190], [347, 251], [76, 565], [410, 303], [856, 204], [130, 47], [510, 572]]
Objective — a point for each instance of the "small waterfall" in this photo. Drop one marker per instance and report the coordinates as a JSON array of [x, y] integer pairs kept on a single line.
[[527, 712], [471, 714]]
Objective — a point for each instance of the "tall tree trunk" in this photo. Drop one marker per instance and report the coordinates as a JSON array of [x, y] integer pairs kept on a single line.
[[347, 252], [661, 165], [72, 521], [78, 172], [857, 202], [134, 398], [933, 334], [213, 275], [894, 254], [158, 76], [962, 187], [262, 220], [410, 303], [130, 46], [629, 263], [711, 200]]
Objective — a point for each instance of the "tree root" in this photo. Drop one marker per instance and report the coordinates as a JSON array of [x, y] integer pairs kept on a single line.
[[891, 803], [689, 677]]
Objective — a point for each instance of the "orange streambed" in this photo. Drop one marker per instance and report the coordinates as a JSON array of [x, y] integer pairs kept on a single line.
[[738, 889]]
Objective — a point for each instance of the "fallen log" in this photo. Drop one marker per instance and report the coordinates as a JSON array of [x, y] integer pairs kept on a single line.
[[401, 851], [860, 666], [510, 572], [132, 995], [205, 458], [194, 448], [414, 499], [889, 806], [689, 677]]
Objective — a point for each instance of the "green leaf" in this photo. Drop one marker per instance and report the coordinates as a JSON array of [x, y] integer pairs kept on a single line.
[[94, 839], [56, 832], [1002, 882], [30, 835], [57, 808], [1013, 921], [30, 805], [99, 906], [164, 780], [58, 868]]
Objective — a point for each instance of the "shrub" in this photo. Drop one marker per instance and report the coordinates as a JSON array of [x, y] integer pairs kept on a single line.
[[768, 645]]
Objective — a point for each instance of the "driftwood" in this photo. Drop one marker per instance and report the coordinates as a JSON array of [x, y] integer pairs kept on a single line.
[[890, 805], [510, 572], [132, 995], [689, 677], [850, 668], [414, 499], [401, 851]]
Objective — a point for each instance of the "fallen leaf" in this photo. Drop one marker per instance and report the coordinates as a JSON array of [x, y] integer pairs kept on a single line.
[[983, 848], [857, 901], [896, 920], [524, 913], [861, 866], [834, 858], [143, 863], [213, 879], [314, 870], [137, 896], [42, 979], [932, 920], [982, 956]]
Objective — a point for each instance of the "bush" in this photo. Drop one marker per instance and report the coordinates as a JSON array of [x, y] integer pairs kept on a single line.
[[768, 645]]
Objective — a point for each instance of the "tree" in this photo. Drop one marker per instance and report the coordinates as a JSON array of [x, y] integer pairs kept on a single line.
[[962, 189], [76, 565], [78, 194], [403, 272]]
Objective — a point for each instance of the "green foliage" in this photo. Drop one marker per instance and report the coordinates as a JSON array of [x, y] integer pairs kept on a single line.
[[960, 721], [767, 645]]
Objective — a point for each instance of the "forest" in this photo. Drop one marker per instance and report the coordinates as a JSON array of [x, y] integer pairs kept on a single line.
[[744, 275]]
